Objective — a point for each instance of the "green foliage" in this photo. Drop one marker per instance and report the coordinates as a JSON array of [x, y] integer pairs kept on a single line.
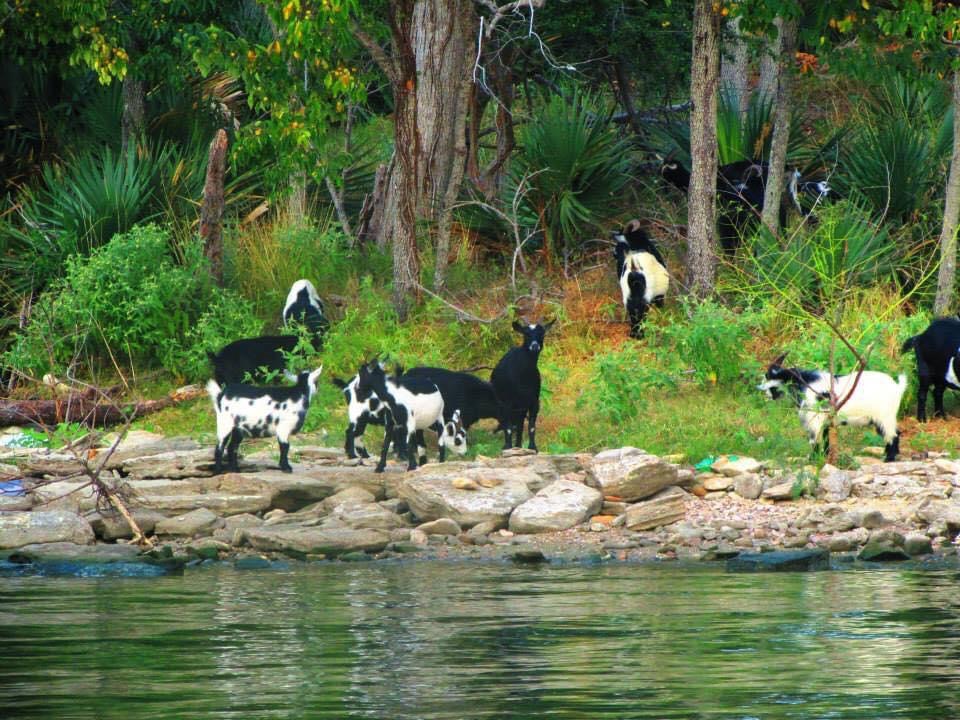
[[712, 341], [844, 249], [264, 261], [228, 317], [128, 301], [622, 384], [574, 166]]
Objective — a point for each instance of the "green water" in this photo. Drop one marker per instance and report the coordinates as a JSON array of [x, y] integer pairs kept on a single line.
[[468, 640]]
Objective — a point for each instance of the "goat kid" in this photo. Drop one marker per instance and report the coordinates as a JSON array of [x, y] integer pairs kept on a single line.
[[360, 413], [874, 399], [516, 381], [305, 306], [249, 411], [642, 273], [413, 404]]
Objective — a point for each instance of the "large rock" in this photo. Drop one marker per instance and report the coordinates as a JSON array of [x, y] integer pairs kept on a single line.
[[139, 444], [943, 511], [547, 468], [369, 516], [301, 541], [560, 505], [50, 526], [195, 522], [748, 485], [111, 525], [631, 474], [664, 508], [835, 485], [781, 561], [173, 465], [431, 494], [732, 465]]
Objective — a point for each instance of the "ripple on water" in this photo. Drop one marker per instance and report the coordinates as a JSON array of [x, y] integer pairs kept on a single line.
[[447, 640]]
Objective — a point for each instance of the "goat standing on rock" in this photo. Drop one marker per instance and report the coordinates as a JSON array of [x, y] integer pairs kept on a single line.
[[516, 381], [872, 398], [937, 349], [642, 273], [250, 411]]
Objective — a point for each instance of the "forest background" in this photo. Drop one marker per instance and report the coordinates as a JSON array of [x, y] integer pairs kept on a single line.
[[439, 167]]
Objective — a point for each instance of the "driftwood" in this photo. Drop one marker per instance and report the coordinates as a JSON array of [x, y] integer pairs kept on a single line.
[[91, 407]]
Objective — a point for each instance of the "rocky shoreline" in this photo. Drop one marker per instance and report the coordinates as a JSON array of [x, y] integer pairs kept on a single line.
[[621, 504]]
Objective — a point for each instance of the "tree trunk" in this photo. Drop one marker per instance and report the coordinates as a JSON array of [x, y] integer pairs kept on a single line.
[[781, 126], [734, 65], [132, 124], [946, 276], [702, 197], [429, 70], [767, 84], [211, 211]]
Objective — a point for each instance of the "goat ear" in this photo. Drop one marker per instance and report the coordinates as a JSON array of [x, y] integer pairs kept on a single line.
[[339, 383], [517, 326], [779, 360], [315, 374]]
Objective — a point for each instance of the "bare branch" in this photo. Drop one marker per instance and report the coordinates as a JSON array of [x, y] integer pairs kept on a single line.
[[380, 56]]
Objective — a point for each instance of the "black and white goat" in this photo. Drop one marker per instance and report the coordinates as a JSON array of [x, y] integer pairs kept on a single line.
[[412, 403], [873, 398], [936, 349], [256, 357], [250, 411], [360, 413], [642, 274], [464, 394], [516, 382], [808, 195], [305, 306]]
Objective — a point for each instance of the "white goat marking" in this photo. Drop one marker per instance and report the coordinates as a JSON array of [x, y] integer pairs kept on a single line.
[[654, 273]]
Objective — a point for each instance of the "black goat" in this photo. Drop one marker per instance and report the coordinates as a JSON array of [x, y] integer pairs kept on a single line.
[[641, 272], [305, 306], [516, 381], [254, 356], [936, 349], [474, 398]]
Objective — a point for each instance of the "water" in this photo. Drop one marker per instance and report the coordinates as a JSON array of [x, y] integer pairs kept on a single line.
[[470, 640]]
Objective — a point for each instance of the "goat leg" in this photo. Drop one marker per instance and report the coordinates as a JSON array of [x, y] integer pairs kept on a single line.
[[387, 438], [284, 451]]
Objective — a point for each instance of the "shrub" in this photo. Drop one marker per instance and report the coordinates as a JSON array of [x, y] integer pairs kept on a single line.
[[621, 382], [128, 300]]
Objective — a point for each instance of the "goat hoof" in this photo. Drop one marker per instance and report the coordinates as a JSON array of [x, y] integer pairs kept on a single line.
[[378, 469], [286, 469]]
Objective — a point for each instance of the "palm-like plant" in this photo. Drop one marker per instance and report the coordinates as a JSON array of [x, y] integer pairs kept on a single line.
[[574, 165]]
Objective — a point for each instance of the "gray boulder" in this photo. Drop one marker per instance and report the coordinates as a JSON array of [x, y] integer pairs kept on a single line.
[[560, 505], [173, 464], [441, 526], [49, 526], [329, 541], [631, 474], [748, 485], [196, 522], [835, 485], [432, 494], [111, 525], [781, 561], [664, 508]]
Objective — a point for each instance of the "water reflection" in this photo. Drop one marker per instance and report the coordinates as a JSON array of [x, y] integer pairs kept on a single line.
[[435, 640]]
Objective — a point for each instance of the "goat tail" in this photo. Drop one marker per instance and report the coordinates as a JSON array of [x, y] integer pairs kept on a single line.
[[909, 344], [214, 390]]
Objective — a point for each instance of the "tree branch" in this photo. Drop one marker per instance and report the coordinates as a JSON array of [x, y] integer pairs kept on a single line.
[[380, 56]]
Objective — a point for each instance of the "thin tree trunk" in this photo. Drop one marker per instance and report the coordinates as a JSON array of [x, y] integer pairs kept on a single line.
[[211, 211], [781, 126], [767, 84], [702, 198], [946, 276], [626, 98], [132, 124], [734, 65]]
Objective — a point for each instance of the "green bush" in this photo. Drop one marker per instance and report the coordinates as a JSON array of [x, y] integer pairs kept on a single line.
[[712, 341], [129, 301], [622, 382]]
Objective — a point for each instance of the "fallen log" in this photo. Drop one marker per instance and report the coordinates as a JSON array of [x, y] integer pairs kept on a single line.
[[85, 409]]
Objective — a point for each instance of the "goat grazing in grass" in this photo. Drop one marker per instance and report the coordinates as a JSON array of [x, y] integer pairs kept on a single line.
[[872, 398], [936, 349], [516, 382], [305, 306], [250, 411], [412, 403], [642, 274]]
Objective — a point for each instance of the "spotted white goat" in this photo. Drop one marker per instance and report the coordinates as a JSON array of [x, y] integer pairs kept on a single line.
[[642, 274], [872, 399], [251, 411], [360, 413], [413, 404]]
